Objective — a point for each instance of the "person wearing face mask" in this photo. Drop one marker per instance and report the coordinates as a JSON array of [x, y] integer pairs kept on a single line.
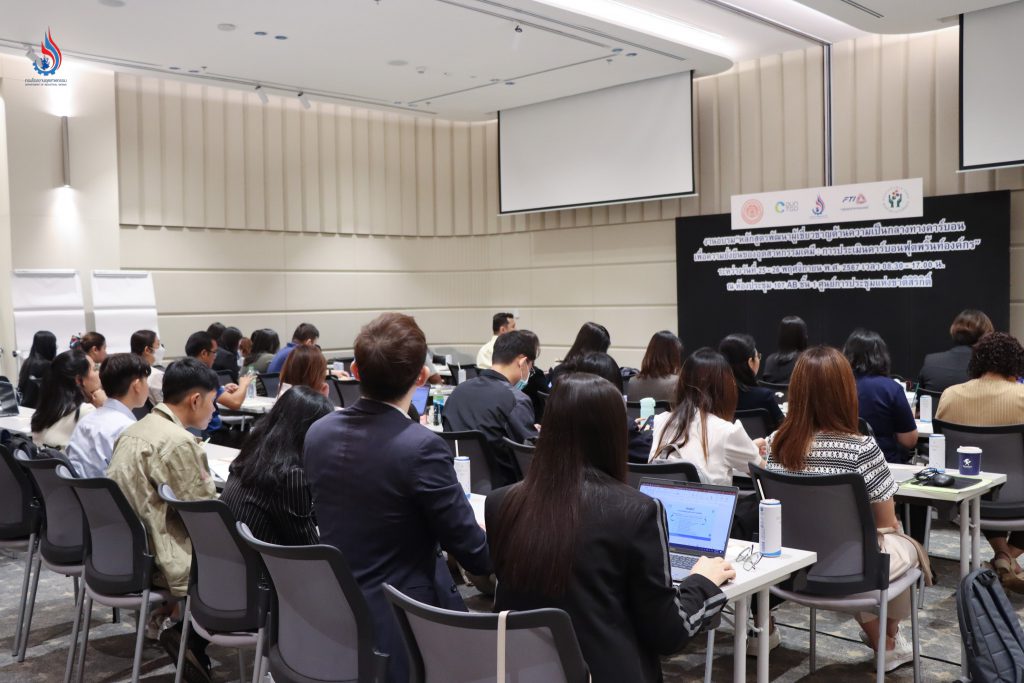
[[494, 403], [70, 390], [147, 344]]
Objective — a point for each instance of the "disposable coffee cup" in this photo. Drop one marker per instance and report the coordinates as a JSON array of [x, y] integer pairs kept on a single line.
[[970, 460]]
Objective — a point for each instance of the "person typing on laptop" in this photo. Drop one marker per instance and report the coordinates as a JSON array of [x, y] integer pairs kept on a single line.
[[573, 535]]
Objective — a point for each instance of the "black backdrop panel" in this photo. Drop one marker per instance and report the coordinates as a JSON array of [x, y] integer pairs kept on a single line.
[[820, 272]]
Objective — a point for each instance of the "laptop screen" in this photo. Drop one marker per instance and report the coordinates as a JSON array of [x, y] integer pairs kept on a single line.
[[419, 399], [699, 516]]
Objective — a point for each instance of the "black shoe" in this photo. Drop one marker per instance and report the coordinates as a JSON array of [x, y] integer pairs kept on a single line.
[[196, 670]]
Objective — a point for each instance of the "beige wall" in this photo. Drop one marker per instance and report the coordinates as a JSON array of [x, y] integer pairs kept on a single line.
[[49, 226]]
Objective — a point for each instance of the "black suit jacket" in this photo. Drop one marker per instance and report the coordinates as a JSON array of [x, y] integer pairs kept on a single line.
[[620, 598], [386, 495], [225, 360], [946, 368]]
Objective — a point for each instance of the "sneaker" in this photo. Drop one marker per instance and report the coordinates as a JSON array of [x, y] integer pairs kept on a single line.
[[196, 671], [1006, 568], [754, 639], [900, 654]]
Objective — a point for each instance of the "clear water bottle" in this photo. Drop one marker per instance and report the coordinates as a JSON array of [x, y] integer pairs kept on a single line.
[[250, 391]]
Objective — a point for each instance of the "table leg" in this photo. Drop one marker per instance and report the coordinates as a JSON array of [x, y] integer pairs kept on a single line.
[[764, 625], [975, 532], [739, 656], [965, 527]]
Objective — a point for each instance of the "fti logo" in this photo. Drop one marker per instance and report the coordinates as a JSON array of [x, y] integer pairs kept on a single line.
[[50, 56], [854, 201]]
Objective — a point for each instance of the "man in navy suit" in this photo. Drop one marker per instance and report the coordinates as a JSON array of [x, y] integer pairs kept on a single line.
[[385, 487]]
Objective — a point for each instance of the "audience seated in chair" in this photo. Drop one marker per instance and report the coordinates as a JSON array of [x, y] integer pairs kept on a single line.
[[742, 355], [659, 369], [778, 366], [603, 553], [146, 344], [42, 353], [70, 390], [123, 376], [944, 369], [500, 324]]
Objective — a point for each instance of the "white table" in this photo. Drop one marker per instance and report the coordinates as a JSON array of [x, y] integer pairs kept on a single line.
[[257, 406], [969, 501], [220, 459], [21, 423], [770, 571]]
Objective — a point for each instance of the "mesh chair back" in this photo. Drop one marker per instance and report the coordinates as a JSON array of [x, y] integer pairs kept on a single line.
[[776, 389], [63, 536], [349, 390], [755, 422], [117, 559], [1002, 451], [18, 511], [320, 625], [523, 453], [473, 445], [224, 584], [541, 646], [842, 532], [865, 427], [633, 408], [271, 382], [673, 471]]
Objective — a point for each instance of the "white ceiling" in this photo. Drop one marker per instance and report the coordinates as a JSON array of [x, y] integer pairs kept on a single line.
[[458, 59], [900, 16]]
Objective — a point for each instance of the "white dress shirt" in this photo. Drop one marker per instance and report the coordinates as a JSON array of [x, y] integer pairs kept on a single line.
[[483, 356], [92, 442]]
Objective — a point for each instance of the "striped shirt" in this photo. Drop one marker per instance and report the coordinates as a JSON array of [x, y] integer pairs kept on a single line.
[[838, 453], [283, 516]]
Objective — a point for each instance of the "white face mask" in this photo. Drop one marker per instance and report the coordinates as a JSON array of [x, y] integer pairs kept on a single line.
[[158, 355]]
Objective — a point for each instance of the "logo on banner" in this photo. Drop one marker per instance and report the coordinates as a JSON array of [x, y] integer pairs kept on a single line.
[[819, 207], [752, 211], [787, 207], [50, 57], [896, 199], [852, 202]]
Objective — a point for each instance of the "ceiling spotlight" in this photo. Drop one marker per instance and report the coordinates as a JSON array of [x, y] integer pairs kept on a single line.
[[281, 37], [518, 29], [631, 54], [262, 95], [304, 100], [259, 33]]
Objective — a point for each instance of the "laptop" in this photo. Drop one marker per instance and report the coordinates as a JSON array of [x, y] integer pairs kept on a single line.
[[8, 400], [699, 519]]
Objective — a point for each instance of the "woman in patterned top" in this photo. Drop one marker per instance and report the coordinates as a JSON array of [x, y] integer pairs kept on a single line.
[[821, 436]]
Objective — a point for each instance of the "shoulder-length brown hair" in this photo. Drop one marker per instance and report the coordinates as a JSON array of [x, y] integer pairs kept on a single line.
[[664, 356], [822, 398], [305, 366]]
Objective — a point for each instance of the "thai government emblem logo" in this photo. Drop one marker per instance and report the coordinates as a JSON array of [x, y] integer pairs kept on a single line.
[[50, 57], [752, 211], [896, 198], [819, 206]]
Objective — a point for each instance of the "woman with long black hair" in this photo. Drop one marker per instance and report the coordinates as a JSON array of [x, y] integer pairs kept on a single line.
[[575, 536], [44, 349], [267, 486], [792, 341], [70, 390], [744, 358]]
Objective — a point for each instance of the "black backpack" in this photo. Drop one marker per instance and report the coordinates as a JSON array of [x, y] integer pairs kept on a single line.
[[990, 629]]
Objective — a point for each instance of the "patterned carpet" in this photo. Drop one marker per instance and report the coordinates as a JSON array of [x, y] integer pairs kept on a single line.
[[841, 656]]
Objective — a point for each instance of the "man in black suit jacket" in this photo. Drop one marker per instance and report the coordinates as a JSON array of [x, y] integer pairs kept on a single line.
[[946, 368], [385, 489]]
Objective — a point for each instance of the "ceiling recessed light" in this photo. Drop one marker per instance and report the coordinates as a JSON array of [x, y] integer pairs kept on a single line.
[[226, 27], [280, 37], [259, 33], [397, 62], [193, 71], [616, 49], [174, 68], [631, 54], [113, 3], [510, 82], [421, 69], [397, 102]]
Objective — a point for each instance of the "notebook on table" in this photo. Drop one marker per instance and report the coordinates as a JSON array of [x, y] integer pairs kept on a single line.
[[699, 519]]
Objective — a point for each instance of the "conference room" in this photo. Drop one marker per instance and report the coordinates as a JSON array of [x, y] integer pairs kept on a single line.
[[323, 319]]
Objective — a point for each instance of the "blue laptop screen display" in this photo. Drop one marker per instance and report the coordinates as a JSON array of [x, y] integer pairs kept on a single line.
[[698, 519], [419, 399]]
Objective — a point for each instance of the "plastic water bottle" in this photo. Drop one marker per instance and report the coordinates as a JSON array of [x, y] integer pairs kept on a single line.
[[250, 391], [937, 452], [438, 409], [924, 405], [462, 470]]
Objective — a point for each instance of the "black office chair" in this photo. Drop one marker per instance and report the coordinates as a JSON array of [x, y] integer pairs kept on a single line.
[[349, 390], [851, 574], [471, 371], [523, 453], [633, 408], [676, 470], [755, 422], [1002, 451], [781, 391], [320, 625], [20, 522], [541, 646], [334, 392], [936, 395], [865, 427]]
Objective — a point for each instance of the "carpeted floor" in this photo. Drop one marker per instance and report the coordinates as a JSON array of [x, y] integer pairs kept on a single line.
[[841, 656]]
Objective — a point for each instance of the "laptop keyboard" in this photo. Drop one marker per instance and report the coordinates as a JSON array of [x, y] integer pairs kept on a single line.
[[682, 561]]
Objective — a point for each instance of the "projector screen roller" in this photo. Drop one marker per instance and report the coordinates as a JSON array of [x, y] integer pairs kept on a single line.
[[992, 87], [625, 143]]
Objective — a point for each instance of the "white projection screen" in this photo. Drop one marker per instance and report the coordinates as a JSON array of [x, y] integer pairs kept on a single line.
[[625, 143], [992, 87]]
